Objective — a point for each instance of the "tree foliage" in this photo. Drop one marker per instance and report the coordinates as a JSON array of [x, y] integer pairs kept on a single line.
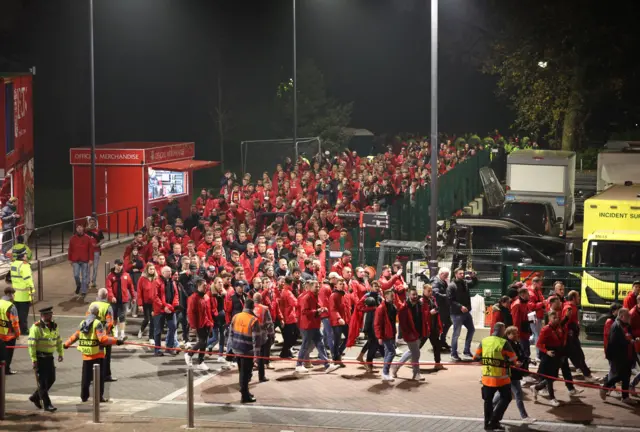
[[558, 61], [318, 113]]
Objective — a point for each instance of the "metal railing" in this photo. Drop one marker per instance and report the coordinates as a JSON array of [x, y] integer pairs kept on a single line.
[[55, 238]]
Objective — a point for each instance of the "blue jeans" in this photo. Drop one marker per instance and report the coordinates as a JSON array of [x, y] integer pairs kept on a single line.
[[389, 353], [311, 338], [327, 334], [94, 270], [459, 321], [158, 322], [516, 388], [536, 327], [81, 270], [526, 347]]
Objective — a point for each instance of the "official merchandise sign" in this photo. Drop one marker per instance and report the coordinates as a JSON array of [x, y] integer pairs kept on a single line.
[[107, 157], [168, 153]]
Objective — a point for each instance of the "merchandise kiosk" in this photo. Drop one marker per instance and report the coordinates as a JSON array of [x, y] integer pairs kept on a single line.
[[131, 179], [16, 146]]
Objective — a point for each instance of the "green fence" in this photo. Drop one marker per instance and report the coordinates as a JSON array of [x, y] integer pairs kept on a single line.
[[598, 288], [409, 217]]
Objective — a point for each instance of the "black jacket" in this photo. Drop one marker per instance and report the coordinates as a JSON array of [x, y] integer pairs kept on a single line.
[[440, 292], [458, 294], [517, 374], [619, 347]]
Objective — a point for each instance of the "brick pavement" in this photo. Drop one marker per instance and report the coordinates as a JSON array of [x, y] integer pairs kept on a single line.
[[452, 392]]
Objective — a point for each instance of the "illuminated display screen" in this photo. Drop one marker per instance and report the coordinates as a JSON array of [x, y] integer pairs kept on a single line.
[[164, 184]]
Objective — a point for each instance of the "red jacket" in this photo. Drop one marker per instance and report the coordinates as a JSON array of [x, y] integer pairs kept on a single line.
[[630, 300], [634, 322], [250, 271], [382, 326], [536, 303], [401, 291], [385, 284], [573, 323], [80, 248], [551, 338], [607, 329], [426, 316], [197, 312], [126, 288], [272, 303], [357, 320], [212, 305], [359, 289], [146, 291], [407, 325], [337, 308], [288, 306], [323, 297], [519, 312], [309, 314], [160, 300]]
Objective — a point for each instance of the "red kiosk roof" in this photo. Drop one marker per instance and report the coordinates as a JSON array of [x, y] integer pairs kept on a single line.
[[186, 165]]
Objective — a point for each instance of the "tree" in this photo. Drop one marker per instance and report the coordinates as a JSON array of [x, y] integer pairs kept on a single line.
[[318, 114], [557, 61], [222, 119]]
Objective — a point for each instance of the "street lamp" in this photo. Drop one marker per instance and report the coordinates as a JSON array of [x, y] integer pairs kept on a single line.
[[93, 114], [433, 259], [295, 84]]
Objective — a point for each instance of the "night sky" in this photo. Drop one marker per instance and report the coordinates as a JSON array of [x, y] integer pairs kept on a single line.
[[157, 63]]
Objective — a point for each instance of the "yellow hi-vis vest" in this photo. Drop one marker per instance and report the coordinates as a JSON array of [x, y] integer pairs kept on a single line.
[[43, 339], [21, 281], [495, 372], [88, 343], [5, 323]]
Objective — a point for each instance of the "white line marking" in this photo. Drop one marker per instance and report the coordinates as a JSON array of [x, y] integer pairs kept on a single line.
[[171, 396], [140, 405]]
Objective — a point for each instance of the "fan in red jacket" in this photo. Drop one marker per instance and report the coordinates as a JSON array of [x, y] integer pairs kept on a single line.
[[199, 317], [167, 299], [385, 330], [631, 299], [344, 261], [400, 287], [520, 316], [388, 281], [146, 295], [412, 332], [250, 261], [120, 290], [288, 305]]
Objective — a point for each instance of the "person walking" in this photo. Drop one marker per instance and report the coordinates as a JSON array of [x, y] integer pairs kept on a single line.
[[22, 283], [385, 329], [338, 317], [439, 285], [98, 240], [92, 339], [574, 347], [537, 305], [432, 324], [9, 329], [411, 319], [268, 331], [165, 301], [201, 321], [496, 355], [10, 219], [552, 345], [460, 306], [44, 342], [121, 290], [511, 333], [80, 257], [105, 315], [520, 316], [289, 306], [620, 354], [146, 285], [245, 339]]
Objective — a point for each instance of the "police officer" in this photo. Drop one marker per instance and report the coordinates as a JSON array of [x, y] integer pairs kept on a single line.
[[44, 341], [17, 248], [496, 354], [105, 315], [9, 329], [92, 338], [22, 282]]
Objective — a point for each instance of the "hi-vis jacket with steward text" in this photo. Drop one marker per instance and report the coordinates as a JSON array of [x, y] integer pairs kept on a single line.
[[496, 354], [92, 337]]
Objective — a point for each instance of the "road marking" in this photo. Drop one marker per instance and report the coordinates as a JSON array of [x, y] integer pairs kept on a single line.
[[133, 406], [171, 396]]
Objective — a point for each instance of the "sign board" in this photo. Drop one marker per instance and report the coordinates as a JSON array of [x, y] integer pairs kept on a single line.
[[170, 153], [375, 220], [107, 157]]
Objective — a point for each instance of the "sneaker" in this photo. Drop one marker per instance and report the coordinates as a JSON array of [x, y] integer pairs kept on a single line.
[[438, 366], [387, 378], [301, 369], [221, 359], [529, 380], [544, 392], [188, 360], [140, 334], [203, 367], [77, 289], [616, 394], [417, 377], [628, 401], [332, 368], [528, 420], [603, 394], [455, 358], [467, 355], [398, 352], [575, 391], [554, 403], [308, 365], [394, 371], [534, 393]]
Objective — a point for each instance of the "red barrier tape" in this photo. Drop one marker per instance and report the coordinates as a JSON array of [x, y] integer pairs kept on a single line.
[[318, 361]]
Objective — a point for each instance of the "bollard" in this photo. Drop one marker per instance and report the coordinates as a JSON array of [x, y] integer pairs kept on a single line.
[[2, 390], [190, 414], [107, 269], [96, 393], [40, 281]]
